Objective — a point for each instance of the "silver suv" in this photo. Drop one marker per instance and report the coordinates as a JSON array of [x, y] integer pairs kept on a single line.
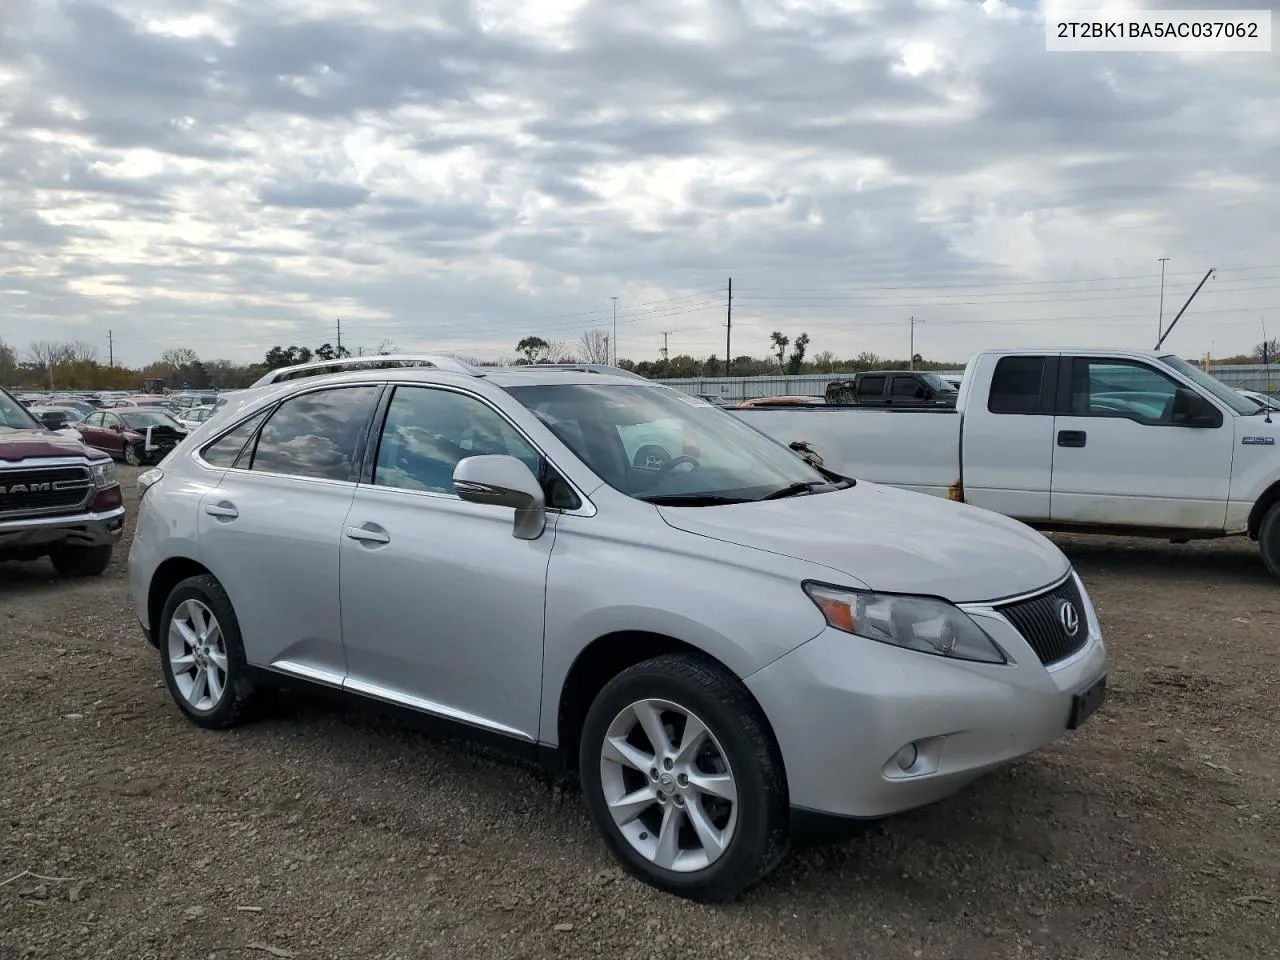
[[724, 643]]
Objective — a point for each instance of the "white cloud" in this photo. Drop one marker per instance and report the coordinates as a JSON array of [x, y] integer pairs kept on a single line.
[[457, 175]]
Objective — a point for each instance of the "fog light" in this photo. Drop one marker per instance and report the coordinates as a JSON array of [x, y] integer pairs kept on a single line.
[[906, 758]]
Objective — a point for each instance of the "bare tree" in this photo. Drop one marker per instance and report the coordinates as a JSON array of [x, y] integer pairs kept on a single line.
[[179, 357], [385, 348], [82, 351], [51, 353], [558, 352], [594, 346]]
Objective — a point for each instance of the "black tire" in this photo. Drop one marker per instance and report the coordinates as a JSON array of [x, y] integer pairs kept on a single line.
[[238, 689], [719, 699], [81, 561], [1269, 539], [132, 456]]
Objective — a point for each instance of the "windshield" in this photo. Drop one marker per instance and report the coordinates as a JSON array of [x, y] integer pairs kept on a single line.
[[654, 443], [14, 416], [938, 384], [141, 419], [1212, 385]]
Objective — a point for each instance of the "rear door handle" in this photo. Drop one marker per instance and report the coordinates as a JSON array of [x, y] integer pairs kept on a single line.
[[223, 510], [1071, 438], [369, 534]]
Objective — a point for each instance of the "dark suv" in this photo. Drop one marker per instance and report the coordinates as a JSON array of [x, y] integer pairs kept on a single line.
[[58, 497]]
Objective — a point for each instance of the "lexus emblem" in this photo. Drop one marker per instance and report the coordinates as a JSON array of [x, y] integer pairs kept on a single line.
[[1069, 618]]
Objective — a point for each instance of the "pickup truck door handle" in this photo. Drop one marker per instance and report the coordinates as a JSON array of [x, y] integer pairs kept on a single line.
[[369, 533], [222, 510], [1071, 438]]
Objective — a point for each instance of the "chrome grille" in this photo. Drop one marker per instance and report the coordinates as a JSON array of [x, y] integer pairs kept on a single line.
[[43, 491], [1039, 620]]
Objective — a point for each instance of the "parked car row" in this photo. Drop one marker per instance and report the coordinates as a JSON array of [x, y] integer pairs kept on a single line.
[[724, 644]]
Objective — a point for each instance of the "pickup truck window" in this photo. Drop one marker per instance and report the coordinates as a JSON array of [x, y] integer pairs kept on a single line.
[[906, 387], [14, 415], [1017, 385], [871, 387], [1211, 385], [1103, 387]]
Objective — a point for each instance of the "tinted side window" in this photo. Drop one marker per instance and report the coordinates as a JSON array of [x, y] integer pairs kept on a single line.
[[871, 386], [224, 451], [316, 435], [1016, 385], [428, 431], [905, 387]]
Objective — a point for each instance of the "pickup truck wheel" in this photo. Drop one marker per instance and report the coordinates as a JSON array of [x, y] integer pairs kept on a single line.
[[683, 779], [202, 654], [1269, 539], [81, 561], [131, 455]]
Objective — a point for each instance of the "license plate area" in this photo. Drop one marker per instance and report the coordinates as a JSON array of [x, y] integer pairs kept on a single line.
[[1086, 702]]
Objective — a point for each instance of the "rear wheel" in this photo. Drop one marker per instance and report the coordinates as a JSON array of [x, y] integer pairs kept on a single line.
[[683, 779], [1269, 539], [81, 561], [202, 655]]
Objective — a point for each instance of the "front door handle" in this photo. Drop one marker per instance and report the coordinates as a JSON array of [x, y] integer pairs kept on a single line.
[[369, 534], [1071, 438], [223, 510]]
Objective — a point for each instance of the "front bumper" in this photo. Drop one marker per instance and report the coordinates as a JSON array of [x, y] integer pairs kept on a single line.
[[91, 528], [842, 707]]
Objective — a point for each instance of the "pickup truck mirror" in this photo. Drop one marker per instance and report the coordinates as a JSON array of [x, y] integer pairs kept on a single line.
[[1190, 409]]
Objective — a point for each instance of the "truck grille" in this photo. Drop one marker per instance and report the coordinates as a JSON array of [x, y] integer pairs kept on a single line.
[[1040, 620], [43, 491]]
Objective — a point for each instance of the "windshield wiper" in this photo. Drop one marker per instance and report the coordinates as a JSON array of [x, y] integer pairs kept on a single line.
[[691, 500], [794, 489]]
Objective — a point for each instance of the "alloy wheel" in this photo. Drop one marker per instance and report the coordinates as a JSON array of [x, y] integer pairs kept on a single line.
[[197, 655], [668, 785]]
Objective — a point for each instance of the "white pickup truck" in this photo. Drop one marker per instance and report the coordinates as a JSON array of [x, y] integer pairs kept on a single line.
[[1102, 441]]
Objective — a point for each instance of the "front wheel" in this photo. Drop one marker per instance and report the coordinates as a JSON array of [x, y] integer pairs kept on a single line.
[[1269, 539], [131, 455], [683, 779], [81, 561]]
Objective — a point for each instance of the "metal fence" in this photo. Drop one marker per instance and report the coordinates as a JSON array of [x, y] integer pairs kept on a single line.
[[1243, 377]]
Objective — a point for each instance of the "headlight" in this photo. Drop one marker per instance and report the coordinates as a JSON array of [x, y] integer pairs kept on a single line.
[[103, 473], [916, 623]]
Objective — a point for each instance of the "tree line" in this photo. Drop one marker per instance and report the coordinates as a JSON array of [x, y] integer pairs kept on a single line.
[[77, 364]]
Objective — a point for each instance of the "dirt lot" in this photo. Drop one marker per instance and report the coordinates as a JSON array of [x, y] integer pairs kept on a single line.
[[318, 832]]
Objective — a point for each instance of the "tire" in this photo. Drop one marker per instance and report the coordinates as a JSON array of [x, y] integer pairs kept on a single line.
[[1269, 539], [738, 737], [131, 455], [81, 561], [222, 657]]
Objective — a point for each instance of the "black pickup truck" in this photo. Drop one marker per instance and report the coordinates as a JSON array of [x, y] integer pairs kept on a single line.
[[892, 388]]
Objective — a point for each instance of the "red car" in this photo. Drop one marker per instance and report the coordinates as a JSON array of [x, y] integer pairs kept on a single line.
[[133, 434]]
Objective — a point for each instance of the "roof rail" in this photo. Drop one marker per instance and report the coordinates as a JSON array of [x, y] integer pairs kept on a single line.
[[316, 368], [601, 368]]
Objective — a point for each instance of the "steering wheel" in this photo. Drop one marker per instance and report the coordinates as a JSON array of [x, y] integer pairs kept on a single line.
[[672, 464]]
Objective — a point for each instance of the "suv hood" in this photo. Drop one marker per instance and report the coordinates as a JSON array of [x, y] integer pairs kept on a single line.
[[38, 444], [890, 540]]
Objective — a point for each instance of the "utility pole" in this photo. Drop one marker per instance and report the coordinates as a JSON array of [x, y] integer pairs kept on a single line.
[[615, 330], [1160, 316], [1174, 322], [665, 334], [911, 360], [111, 350], [339, 336], [728, 331]]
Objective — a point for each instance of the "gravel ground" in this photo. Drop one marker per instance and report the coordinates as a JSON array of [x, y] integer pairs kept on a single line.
[[318, 832]]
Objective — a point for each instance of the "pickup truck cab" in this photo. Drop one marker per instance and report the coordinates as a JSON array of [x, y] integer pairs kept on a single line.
[[893, 388], [1105, 441]]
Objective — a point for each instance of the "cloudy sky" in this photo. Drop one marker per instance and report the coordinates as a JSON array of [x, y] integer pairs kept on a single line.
[[457, 174]]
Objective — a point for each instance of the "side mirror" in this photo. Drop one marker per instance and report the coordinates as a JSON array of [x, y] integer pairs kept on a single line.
[[499, 480], [1190, 409]]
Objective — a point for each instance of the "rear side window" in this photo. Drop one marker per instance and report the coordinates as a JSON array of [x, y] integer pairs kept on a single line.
[[871, 386], [224, 451], [1016, 385], [316, 435]]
